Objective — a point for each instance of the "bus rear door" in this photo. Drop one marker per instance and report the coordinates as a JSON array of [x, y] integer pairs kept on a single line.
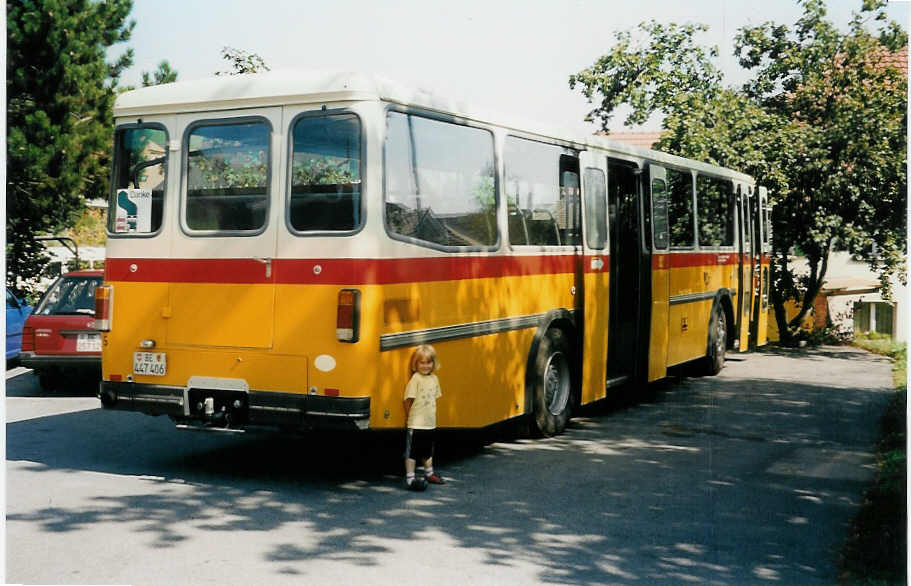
[[222, 289]]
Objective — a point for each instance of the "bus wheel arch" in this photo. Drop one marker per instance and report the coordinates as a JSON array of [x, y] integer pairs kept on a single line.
[[551, 375]]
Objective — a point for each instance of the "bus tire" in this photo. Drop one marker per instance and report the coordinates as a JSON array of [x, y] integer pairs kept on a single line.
[[553, 387], [718, 341]]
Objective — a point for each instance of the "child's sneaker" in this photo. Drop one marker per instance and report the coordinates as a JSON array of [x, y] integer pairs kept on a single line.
[[417, 485], [434, 479]]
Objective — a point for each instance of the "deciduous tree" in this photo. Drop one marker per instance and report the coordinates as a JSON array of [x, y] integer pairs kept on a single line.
[[821, 124], [242, 62]]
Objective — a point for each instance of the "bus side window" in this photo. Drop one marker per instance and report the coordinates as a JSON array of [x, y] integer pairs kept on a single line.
[[714, 211], [542, 193], [440, 182], [680, 209], [595, 208], [325, 173], [569, 211], [659, 214]]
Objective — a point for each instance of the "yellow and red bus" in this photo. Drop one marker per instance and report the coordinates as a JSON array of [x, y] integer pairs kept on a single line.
[[279, 243]]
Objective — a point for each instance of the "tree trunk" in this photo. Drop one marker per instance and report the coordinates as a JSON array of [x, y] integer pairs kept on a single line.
[[778, 301], [818, 268]]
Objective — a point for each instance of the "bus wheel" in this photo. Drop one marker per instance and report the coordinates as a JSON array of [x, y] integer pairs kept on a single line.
[[553, 384], [718, 341]]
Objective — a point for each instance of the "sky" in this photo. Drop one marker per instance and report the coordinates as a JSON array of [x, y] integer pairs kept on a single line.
[[511, 56]]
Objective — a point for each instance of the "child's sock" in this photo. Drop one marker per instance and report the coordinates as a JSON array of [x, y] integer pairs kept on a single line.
[[428, 471], [409, 477]]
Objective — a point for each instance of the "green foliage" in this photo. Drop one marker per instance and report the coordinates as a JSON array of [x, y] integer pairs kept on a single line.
[[88, 230], [59, 117], [822, 336], [322, 171], [667, 74], [245, 170], [484, 192], [242, 62], [164, 74], [822, 124]]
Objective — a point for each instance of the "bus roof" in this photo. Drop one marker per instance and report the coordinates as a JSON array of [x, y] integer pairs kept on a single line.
[[284, 87], [273, 88]]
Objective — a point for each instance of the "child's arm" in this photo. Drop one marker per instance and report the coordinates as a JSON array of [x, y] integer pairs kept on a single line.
[[408, 402]]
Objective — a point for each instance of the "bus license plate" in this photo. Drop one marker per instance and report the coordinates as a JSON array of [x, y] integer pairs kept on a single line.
[[88, 342], [150, 363]]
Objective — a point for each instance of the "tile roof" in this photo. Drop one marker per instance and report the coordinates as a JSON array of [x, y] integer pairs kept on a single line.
[[635, 138], [898, 59]]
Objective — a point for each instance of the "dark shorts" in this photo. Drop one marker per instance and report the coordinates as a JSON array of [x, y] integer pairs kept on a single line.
[[419, 444]]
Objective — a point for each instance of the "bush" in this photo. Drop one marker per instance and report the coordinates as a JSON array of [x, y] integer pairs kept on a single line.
[[829, 336], [876, 551]]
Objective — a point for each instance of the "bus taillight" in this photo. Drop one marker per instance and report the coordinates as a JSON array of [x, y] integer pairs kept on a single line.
[[104, 301], [348, 316]]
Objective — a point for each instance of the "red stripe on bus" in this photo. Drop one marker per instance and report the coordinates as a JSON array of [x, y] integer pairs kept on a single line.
[[696, 259], [342, 271]]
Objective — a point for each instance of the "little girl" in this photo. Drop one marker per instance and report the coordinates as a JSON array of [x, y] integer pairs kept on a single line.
[[421, 396]]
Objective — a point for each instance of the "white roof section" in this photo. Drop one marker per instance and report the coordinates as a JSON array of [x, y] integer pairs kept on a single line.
[[286, 87], [272, 88]]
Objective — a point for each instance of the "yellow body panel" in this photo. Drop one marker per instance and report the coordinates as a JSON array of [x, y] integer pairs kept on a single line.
[[594, 354], [221, 314], [476, 392], [688, 322], [763, 322], [658, 339]]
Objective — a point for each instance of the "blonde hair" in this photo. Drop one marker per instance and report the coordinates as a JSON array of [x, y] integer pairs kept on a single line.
[[426, 352]]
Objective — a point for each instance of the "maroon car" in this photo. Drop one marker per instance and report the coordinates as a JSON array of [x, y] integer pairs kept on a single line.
[[59, 340]]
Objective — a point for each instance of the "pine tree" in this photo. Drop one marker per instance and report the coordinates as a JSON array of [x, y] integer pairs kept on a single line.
[[61, 92]]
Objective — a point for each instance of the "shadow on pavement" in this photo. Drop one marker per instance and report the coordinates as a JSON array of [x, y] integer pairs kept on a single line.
[[658, 491]]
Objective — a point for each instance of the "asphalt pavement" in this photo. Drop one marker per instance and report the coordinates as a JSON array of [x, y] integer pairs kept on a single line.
[[750, 477]]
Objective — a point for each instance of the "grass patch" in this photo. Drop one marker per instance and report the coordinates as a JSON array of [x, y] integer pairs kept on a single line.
[[875, 553]]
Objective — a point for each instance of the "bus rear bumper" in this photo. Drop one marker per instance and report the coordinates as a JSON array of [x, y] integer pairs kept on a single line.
[[234, 409]]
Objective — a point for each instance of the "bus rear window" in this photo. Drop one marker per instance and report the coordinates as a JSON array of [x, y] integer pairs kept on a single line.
[[326, 173], [139, 179], [228, 176]]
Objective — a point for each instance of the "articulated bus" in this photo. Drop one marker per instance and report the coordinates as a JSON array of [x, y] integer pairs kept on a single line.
[[279, 244]]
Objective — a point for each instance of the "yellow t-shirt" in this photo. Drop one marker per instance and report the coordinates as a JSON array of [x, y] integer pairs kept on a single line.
[[425, 390]]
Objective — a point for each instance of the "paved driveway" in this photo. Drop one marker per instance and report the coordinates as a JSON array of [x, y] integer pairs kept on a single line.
[[750, 477]]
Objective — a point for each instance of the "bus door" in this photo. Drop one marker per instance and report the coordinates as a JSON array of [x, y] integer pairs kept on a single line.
[[765, 245], [625, 245], [222, 289], [745, 273], [660, 273], [755, 267], [597, 275]]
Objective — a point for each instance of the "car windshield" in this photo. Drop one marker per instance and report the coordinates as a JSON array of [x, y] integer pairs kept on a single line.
[[70, 296]]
